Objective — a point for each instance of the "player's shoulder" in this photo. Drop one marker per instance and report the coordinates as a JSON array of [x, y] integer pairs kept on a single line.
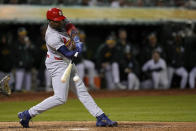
[[162, 60], [52, 37], [151, 61]]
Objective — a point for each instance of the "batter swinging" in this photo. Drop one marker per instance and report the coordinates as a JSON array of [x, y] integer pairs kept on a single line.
[[62, 43]]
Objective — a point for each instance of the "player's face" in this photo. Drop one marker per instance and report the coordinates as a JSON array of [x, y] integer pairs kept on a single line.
[[58, 25], [153, 40], [122, 34], [156, 56], [110, 43]]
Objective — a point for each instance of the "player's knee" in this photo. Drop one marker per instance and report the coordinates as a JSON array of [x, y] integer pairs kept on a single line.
[[60, 100], [191, 75], [114, 65], [185, 75], [91, 65], [131, 76]]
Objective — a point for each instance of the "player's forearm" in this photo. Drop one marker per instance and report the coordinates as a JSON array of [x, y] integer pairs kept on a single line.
[[70, 53], [66, 52]]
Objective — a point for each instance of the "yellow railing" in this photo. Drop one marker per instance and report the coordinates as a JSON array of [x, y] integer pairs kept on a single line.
[[32, 14]]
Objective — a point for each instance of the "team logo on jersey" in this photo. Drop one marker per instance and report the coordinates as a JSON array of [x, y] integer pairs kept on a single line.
[[68, 43]]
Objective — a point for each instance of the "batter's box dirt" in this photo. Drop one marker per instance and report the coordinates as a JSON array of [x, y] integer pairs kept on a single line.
[[90, 126]]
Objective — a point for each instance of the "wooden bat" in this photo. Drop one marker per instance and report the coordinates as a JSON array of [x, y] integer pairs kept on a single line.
[[67, 71]]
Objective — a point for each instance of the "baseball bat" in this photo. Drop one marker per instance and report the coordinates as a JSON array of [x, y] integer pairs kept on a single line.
[[67, 71]]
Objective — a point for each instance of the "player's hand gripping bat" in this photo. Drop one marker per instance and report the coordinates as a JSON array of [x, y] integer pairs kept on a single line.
[[4, 87], [67, 72]]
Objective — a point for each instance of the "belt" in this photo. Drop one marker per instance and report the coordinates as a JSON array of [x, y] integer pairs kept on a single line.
[[56, 58]]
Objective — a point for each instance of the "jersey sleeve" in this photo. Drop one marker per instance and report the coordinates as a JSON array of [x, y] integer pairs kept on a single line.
[[146, 66], [163, 64]]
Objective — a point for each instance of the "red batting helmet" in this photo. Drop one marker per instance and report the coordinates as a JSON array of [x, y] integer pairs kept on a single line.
[[55, 14]]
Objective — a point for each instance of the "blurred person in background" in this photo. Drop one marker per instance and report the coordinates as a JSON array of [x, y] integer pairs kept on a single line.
[[118, 3], [131, 71], [190, 46], [191, 4], [151, 45], [179, 3], [149, 3], [93, 2], [107, 58], [176, 60], [42, 2], [122, 44], [156, 69], [23, 60], [83, 63], [137, 3], [128, 65], [99, 2], [69, 2], [6, 57]]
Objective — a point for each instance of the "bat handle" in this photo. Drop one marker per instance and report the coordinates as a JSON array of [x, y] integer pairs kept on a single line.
[[76, 54], [74, 57]]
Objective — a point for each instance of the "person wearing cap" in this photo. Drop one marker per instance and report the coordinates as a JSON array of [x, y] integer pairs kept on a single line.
[[152, 43], [62, 43], [131, 71], [129, 67], [176, 60], [156, 69], [23, 61], [107, 58]]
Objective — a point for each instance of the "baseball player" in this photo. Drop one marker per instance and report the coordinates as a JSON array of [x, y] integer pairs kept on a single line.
[[62, 43], [24, 60], [176, 60], [107, 58], [131, 70], [157, 69], [151, 45]]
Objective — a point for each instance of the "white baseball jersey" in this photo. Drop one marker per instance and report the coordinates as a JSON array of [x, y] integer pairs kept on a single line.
[[55, 39], [159, 78], [152, 65]]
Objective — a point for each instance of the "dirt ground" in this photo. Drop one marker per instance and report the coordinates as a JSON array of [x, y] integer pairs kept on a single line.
[[90, 125]]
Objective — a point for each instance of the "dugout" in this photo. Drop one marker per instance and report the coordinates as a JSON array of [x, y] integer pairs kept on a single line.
[[99, 22]]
